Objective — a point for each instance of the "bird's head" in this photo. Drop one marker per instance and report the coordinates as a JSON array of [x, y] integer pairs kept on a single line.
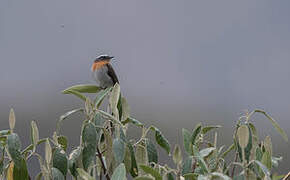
[[100, 61], [104, 57]]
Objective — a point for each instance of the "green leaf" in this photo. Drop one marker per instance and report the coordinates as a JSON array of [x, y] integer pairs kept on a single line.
[[152, 151], [120, 107], [259, 154], [60, 161], [239, 177], [195, 133], [187, 165], [67, 114], [249, 146], [109, 150], [76, 93], [200, 159], [2, 161], [83, 88], [84, 175], [14, 145], [151, 171], [161, 140], [98, 165], [255, 140], [187, 141], [99, 121], [9, 172], [141, 154], [101, 96], [119, 173], [169, 176], [253, 129], [72, 162], [267, 160], [62, 140], [119, 150], [275, 161], [134, 168], [4, 132], [264, 169], [109, 116], [56, 174], [278, 177], [125, 109], [88, 106], [133, 121], [275, 124], [54, 138], [34, 133], [251, 174], [114, 98], [143, 178], [205, 152], [243, 136], [219, 152], [89, 134], [268, 145], [177, 156], [127, 159], [38, 176], [267, 156], [190, 176], [244, 153], [202, 177], [48, 152], [11, 119], [89, 139], [43, 167], [223, 176], [3, 139], [122, 135], [20, 172], [206, 129]]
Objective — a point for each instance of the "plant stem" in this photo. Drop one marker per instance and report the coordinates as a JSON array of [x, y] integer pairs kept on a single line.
[[103, 164], [194, 165], [245, 164], [101, 176], [233, 171]]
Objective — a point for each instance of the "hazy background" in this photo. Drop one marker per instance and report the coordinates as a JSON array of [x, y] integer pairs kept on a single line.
[[179, 62]]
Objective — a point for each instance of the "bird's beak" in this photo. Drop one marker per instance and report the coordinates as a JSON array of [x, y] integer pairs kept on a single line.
[[111, 57]]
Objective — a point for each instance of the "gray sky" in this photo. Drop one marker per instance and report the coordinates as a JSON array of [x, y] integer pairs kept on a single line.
[[179, 62]]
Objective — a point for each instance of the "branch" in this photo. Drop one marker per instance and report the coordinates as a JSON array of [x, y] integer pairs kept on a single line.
[[233, 171], [103, 164], [194, 165]]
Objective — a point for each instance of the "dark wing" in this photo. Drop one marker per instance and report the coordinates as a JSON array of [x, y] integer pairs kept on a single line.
[[112, 74]]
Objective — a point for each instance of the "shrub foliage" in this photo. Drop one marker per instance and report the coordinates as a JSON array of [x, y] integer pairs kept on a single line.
[[106, 152]]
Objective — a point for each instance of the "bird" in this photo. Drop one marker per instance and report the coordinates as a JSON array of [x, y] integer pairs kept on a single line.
[[103, 72], [105, 76]]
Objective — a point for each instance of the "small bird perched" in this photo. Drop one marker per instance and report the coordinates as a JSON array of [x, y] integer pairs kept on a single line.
[[103, 72], [105, 76]]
